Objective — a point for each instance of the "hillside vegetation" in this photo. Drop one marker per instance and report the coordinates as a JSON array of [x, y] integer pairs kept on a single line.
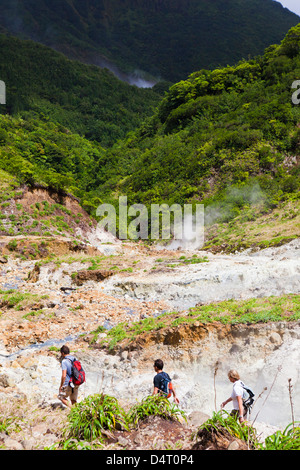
[[86, 99], [37, 151], [227, 138], [167, 38]]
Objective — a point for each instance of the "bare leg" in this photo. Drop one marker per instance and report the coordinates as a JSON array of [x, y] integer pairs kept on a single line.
[[66, 402]]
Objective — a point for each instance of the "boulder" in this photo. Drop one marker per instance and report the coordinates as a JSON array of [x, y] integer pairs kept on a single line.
[[196, 418], [96, 275]]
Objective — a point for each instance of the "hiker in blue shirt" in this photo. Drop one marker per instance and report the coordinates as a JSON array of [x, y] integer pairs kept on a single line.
[[162, 382], [67, 389]]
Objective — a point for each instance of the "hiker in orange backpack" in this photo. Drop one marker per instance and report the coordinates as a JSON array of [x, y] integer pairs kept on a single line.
[[69, 385], [162, 382]]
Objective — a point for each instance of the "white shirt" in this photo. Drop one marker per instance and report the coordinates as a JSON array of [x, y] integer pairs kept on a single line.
[[237, 391]]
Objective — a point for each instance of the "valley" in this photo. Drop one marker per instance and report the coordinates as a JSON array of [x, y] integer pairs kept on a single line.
[[74, 137], [119, 305]]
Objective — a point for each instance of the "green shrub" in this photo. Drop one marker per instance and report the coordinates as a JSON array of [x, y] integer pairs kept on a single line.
[[94, 414], [154, 405], [6, 424], [12, 245], [289, 439], [222, 420]]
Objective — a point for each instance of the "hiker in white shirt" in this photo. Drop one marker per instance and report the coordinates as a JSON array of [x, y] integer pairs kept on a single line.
[[236, 396]]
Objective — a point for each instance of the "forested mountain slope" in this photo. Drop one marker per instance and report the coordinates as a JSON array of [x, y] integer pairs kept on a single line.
[[226, 138], [166, 38], [234, 127], [84, 98]]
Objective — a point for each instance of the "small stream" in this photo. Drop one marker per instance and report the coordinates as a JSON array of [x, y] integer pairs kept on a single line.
[[32, 348]]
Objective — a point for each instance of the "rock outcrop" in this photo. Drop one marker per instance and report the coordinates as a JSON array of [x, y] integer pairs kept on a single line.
[[96, 275]]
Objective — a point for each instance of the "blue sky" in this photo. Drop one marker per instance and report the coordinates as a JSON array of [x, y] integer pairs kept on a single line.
[[293, 5]]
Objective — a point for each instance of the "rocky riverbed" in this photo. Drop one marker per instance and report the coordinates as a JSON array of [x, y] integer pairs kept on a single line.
[[273, 271], [144, 282]]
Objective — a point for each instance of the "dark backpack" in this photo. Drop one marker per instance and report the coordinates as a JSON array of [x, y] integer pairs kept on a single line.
[[248, 398], [164, 385], [78, 374]]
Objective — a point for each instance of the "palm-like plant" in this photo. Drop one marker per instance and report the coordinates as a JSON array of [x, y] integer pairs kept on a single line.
[[95, 414], [289, 439], [154, 405]]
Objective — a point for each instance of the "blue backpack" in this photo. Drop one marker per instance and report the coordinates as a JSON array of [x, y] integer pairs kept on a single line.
[[164, 384]]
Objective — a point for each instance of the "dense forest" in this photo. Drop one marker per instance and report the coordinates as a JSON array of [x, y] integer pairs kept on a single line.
[[234, 127], [228, 136], [86, 99], [167, 38]]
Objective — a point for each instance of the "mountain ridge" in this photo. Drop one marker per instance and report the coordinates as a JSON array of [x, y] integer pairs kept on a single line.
[[136, 36], [224, 138], [84, 98]]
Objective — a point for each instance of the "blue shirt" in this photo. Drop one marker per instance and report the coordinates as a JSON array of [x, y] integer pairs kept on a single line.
[[67, 365]]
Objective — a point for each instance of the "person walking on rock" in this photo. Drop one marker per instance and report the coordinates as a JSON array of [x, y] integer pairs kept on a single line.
[[67, 389], [236, 396], [162, 382]]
